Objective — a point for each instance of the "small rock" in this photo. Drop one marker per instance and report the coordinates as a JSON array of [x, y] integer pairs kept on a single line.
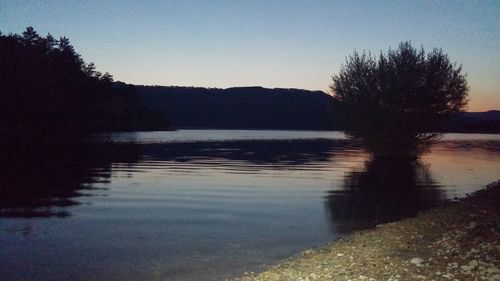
[[492, 270], [448, 275], [473, 263], [466, 268], [473, 250], [417, 261], [308, 252]]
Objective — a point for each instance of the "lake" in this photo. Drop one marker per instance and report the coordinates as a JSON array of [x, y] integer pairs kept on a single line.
[[211, 204]]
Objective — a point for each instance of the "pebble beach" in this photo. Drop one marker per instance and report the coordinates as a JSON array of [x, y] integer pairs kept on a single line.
[[457, 241]]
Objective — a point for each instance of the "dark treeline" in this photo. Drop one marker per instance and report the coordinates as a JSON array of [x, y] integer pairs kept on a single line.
[[242, 107], [46, 88]]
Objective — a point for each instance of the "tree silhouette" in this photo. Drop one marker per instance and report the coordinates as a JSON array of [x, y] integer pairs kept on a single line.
[[392, 103]]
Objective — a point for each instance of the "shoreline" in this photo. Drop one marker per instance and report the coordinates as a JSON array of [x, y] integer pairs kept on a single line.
[[457, 241]]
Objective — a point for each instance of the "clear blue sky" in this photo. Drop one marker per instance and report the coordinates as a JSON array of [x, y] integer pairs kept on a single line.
[[291, 44]]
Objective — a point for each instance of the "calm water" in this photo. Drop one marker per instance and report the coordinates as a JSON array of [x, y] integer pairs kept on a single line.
[[205, 204]]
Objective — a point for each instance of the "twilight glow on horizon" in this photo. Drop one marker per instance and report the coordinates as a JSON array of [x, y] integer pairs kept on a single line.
[[275, 44]]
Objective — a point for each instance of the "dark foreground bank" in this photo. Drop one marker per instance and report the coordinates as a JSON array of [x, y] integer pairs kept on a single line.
[[459, 241]]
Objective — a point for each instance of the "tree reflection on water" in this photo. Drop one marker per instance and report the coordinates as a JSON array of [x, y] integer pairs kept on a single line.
[[385, 190]]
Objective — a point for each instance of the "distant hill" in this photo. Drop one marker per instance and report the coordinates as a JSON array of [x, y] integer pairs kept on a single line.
[[264, 108], [492, 115], [470, 122], [241, 108]]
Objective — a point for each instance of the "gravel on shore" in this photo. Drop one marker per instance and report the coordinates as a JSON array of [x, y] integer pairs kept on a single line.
[[458, 241]]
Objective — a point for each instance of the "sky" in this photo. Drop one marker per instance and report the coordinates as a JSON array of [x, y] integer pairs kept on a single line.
[[276, 44]]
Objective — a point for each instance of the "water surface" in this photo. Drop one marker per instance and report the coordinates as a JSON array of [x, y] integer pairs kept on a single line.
[[210, 204]]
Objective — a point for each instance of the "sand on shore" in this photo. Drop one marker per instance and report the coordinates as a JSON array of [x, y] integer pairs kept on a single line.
[[458, 241]]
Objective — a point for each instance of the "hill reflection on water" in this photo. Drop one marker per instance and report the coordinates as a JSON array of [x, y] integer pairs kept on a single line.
[[45, 181]]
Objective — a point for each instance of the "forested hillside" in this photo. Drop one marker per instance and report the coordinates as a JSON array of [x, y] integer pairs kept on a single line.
[[241, 108]]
